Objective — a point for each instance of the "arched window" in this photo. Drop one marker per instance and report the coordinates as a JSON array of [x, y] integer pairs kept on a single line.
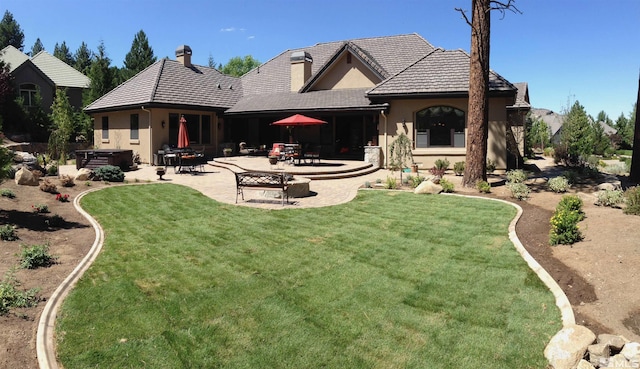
[[28, 93], [440, 126]]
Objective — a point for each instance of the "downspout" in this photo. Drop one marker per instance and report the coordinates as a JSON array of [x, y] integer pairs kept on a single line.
[[386, 137], [150, 137]]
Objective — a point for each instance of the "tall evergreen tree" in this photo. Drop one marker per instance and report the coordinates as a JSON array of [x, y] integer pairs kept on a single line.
[[624, 130], [100, 74], [62, 52], [10, 32], [37, 47], [83, 58], [139, 57], [475, 168]]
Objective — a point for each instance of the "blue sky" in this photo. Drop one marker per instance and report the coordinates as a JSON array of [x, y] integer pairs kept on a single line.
[[567, 50]]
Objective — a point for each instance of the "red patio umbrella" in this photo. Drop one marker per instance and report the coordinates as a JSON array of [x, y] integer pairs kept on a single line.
[[183, 134], [297, 120]]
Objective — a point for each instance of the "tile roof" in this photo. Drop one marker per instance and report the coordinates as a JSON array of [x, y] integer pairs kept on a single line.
[[168, 82], [61, 73], [327, 100], [522, 97], [389, 54], [13, 57], [439, 72]]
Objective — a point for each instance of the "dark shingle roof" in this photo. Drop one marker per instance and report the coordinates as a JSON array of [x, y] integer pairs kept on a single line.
[[168, 82], [327, 100], [389, 54], [522, 98], [441, 72]]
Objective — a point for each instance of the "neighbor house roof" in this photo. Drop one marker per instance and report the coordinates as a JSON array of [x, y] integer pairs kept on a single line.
[[169, 82], [61, 73], [440, 72], [13, 57]]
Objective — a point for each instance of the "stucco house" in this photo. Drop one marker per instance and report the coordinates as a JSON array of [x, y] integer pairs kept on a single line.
[[369, 90]]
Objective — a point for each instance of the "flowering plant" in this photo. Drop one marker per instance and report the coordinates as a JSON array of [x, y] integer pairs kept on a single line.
[[62, 198], [40, 208]]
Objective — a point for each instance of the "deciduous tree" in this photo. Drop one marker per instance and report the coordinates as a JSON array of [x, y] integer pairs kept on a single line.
[[10, 32], [478, 114], [238, 66], [63, 125]]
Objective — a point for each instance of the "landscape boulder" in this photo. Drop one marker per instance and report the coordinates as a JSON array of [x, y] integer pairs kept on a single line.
[[428, 187], [25, 177], [568, 346], [84, 174]]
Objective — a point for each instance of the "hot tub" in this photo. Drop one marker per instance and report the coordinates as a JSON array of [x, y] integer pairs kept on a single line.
[[92, 159]]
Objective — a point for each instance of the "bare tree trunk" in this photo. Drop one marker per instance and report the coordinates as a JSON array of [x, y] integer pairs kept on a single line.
[[475, 168], [634, 175]]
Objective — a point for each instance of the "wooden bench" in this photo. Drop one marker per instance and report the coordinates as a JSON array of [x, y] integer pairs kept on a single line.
[[262, 181]]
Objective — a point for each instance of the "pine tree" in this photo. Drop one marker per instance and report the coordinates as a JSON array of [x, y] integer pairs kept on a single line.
[[62, 52], [83, 57], [10, 32], [577, 135], [100, 74], [37, 47], [139, 57]]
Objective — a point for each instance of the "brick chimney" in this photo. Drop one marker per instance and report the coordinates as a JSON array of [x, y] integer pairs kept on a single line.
[[300, 69], [183, 55]]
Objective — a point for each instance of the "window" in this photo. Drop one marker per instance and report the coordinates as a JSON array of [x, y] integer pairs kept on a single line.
[[440, 126], [198, 126], [105, 128], [28, 92], [133, 127], [206, 129]]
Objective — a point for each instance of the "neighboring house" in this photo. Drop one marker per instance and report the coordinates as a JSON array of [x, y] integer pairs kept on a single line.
[[555, 122], [44, 73], [369, 91]]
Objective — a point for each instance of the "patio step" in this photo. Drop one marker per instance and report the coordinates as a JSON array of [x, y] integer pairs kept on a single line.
[[318, 172]]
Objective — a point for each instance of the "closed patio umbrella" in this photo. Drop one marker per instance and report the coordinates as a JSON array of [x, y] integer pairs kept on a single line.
[[183, 134]]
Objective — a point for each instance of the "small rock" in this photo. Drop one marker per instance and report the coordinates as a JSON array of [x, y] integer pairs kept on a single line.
[[618, 361], [608, 186], [26, 178], [84, 174], [614, 342], [631, 352], [599, 353], [583, 364], [568, 346]]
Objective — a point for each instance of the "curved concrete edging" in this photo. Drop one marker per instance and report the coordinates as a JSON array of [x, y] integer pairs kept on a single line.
[[562, 301], [45, 350]]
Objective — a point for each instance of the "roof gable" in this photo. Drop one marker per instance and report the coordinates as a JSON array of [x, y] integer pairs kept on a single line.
[[13, 57], [440, 72], [61, 73], [522, 97]]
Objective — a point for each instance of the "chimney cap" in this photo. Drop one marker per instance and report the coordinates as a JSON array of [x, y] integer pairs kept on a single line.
[[300, 56], [183, 50]]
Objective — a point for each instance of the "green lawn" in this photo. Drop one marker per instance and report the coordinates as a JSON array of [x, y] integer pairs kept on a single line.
[[389, 280]]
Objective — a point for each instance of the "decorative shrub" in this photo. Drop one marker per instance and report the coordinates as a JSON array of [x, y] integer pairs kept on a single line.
[[491, 166], [610, 198], [62, 198], [571, 203], [367, 184], [109, 173], [632, 198], [415, 181], [378, 181], [11, 297], [442, 164], [5, 192], [483, 186], [391, 183], [67, 181], [548, 151], [558, 184], [437, 172], [571, 176], [8, 232], [564, 227], [52, 170], [616, 169], [458, 168], [40, 208], [516, 176], [447, 186], [36, 256], [48, 186], [519, 190]]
